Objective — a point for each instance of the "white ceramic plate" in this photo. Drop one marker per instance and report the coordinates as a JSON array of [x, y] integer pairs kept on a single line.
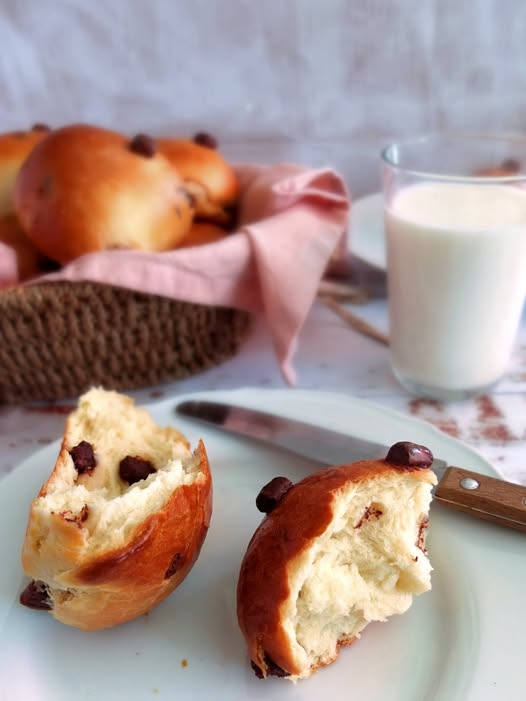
[[464, 640], [366, 236]]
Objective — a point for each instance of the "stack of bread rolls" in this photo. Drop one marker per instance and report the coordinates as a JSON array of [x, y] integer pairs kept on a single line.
[[81, 189]]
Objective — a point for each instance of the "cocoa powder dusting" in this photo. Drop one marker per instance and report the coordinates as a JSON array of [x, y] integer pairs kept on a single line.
[[434, 412], [416, 405], [491, 422], [487, 409], [448, 426], [498, 433]]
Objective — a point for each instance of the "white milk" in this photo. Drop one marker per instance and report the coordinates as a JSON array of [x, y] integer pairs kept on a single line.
[[457, 281]]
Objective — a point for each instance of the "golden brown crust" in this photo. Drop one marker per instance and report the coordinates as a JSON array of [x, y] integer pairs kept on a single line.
[[303, 514], [208, 176], [111, 587], [83, 189], [15, 147]]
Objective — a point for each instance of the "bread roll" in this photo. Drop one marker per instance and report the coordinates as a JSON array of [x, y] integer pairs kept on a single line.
[[15, 147], [337, 550], [207, 175], [121, 520], [86, 189]]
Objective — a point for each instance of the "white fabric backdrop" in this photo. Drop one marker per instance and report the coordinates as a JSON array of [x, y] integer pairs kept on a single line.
[[268, 78]]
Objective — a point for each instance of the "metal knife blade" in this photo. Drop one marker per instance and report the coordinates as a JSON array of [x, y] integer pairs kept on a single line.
[[478, 495]]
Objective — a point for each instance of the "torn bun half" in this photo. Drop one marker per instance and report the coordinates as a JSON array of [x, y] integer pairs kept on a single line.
[[337, 550], [121, 520]]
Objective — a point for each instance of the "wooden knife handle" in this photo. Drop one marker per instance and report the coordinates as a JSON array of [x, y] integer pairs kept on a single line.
[[485, 497]]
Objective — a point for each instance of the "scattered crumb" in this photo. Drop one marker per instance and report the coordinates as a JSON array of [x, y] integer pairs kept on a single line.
[[498, 433], [184, 663], [448, 426], [416, 405], [156, 394]]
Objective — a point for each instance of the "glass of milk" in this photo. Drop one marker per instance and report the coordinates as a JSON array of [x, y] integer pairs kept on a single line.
[[455, 215]]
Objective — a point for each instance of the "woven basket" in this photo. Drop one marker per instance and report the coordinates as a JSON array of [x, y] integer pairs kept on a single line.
[[58, 339]]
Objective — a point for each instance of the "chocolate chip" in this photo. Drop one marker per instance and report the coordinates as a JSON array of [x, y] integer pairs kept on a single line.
[[134, 469], [257, 670], [272, 493], [47, 265], [204, 139], [273, 670], [371, 511], [83, 457], [39, 126], [421, 539], [409, 455], [175, 565], [144, 145], [72, 517], [36, 596]]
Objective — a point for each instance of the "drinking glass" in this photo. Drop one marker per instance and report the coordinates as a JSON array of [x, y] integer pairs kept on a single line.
[[455, 220]]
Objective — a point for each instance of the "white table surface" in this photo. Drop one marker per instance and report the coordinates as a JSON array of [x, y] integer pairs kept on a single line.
[[331, 356]]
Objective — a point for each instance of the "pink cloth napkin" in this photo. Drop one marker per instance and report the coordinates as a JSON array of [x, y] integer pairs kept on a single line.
[[291, 222]]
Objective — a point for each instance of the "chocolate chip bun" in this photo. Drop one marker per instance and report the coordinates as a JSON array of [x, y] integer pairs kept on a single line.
[[341, 548], [15, 147], [121, 520], [86, 189], [207, 175]]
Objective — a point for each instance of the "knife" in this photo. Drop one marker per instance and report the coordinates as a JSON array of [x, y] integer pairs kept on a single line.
[[475, 494]]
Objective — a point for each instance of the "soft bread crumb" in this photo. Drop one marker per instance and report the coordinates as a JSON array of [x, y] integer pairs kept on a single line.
[[360, 570], [115, 428]]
